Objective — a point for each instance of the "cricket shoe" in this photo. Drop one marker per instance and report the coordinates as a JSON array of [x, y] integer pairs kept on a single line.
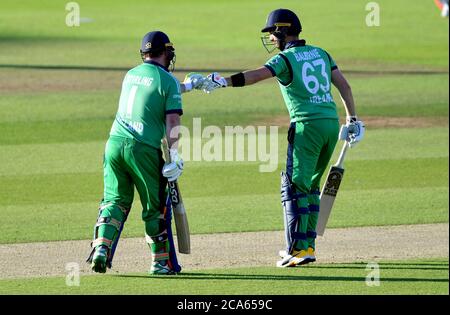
[[99, 259], [312, 255], [282, 253], [296, 258], [160, 268]]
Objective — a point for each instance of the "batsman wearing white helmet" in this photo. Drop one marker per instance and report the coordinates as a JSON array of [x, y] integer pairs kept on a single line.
[[305, 74]]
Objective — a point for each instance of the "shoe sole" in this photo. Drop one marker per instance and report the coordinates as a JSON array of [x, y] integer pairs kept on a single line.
[[293, 262], [98, 266], [306, 261], [170, 273], [287, 265]]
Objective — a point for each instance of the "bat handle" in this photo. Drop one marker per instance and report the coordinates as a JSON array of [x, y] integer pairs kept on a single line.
[[165, 147], [340, 161]]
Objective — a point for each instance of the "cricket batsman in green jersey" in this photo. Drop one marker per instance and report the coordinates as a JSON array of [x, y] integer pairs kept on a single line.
[[149, 109], [305, 74]]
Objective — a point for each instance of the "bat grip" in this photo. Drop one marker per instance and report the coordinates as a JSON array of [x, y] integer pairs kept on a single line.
[[340, 161], [165, 147]]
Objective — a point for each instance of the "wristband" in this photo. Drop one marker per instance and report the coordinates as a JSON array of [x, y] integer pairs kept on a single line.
[[237, 79]]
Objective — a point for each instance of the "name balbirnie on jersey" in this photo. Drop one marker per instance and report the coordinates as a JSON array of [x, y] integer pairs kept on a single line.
[[307, 55]]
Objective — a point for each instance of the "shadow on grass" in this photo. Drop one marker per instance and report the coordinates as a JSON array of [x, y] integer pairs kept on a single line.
[[386, 266], [428, 263], [431, 264], [222, 276]]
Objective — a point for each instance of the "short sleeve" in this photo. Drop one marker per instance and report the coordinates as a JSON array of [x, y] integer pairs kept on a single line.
[[276, 65], [279, 68], [173, 97], [332, 63]]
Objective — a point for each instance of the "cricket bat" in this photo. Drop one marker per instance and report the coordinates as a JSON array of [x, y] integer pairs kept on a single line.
[[330, 190], [179, 212]]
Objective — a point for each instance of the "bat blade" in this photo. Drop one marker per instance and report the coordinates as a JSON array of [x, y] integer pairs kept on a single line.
[[327, 197], [179, 212], [183, 234], [181, 221]]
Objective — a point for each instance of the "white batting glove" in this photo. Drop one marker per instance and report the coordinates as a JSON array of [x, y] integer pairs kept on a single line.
[[174, 169], [193, 80], [355, 130], [214, 81]]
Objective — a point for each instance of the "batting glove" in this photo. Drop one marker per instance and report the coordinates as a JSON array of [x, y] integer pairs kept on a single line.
[[214, 81], [193, 80], [355, 130], [174, 169]]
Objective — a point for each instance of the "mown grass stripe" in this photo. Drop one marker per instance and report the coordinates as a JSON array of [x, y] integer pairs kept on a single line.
[[238, 180], [315, 279], [67, 220], [73, 157]]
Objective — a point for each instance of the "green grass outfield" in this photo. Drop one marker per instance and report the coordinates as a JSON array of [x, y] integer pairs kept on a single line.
[[396, 277], [54, 123], [402, 181], [204, 32], [56, 113]]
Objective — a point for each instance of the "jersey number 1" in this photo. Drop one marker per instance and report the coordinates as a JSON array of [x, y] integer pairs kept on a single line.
[[130, 101]]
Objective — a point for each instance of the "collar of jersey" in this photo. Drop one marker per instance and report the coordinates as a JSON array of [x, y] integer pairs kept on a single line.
[[295, 43], [156, 64]]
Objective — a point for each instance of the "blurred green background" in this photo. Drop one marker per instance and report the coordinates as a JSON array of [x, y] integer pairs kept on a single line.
[[55, 120]]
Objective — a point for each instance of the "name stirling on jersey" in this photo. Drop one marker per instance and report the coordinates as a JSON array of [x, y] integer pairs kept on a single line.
[[137, 79]]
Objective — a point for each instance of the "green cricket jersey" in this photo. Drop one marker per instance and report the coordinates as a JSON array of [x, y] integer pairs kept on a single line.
[[304, 75], [149, 92]]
